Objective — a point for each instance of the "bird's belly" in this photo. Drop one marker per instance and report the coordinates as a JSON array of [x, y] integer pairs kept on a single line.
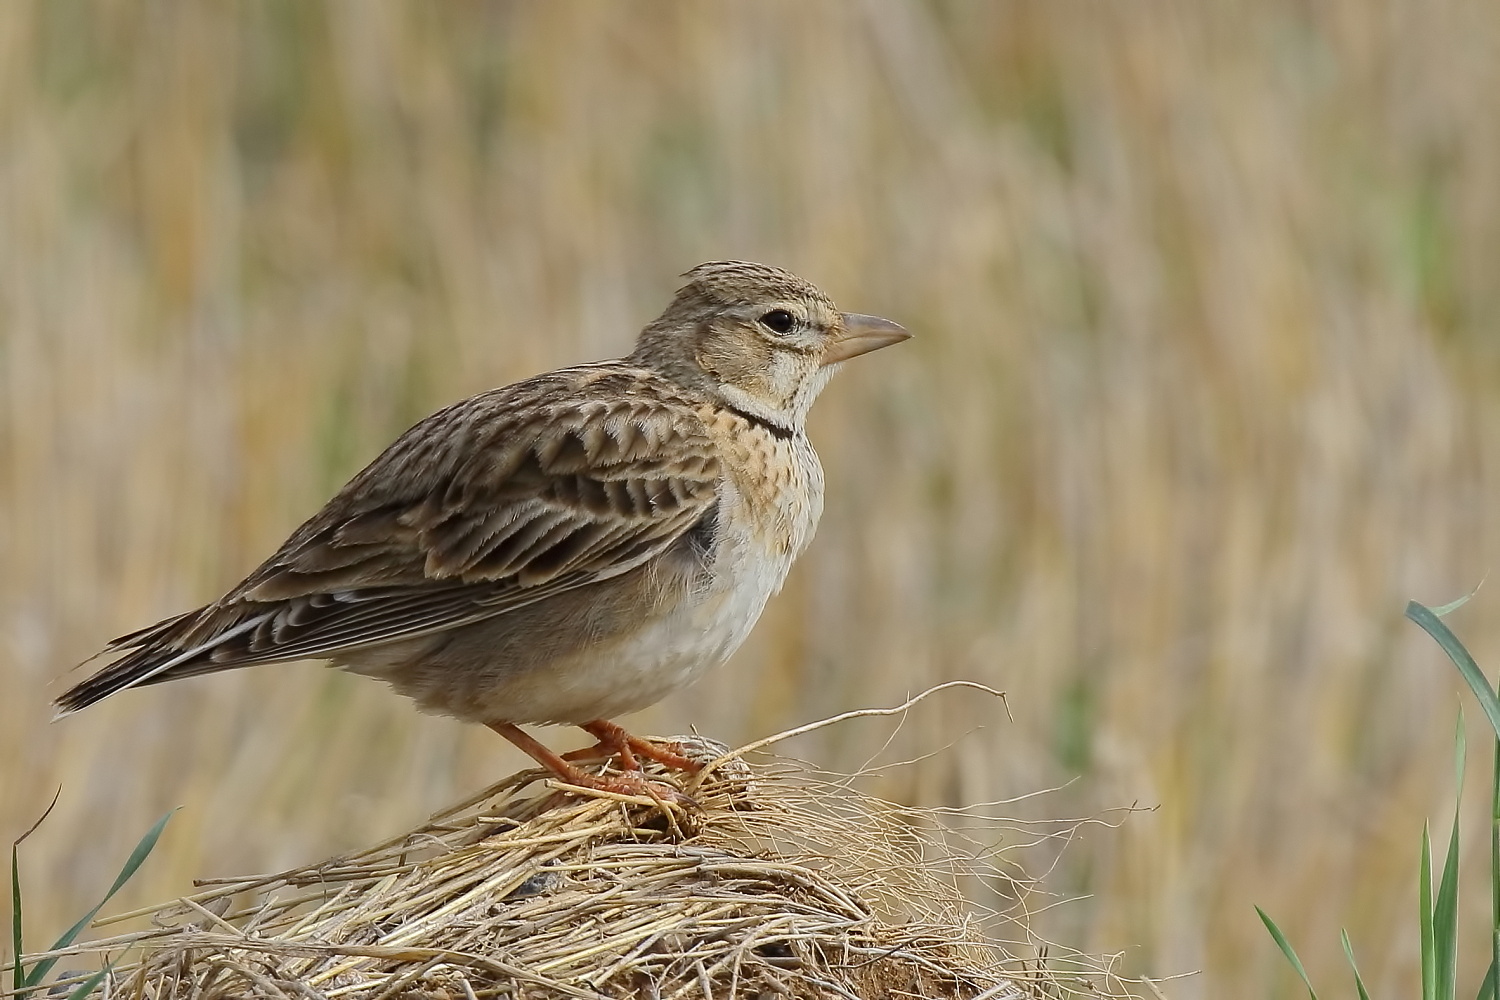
[[596, 653], [656, 651], [643, 665]]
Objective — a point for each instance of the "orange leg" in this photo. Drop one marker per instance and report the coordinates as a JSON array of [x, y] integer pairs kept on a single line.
[[624, 784], [614, 741]]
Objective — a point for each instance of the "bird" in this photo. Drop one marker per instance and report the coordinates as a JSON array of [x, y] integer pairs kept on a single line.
[[562, 550]]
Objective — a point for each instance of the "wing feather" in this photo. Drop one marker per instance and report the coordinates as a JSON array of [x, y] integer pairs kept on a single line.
[[505, 499]]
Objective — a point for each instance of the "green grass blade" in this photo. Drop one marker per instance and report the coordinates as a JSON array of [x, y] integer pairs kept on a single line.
[[1288, 951], [136, 859], [89, 985], [1445, 909], [1494, 875], [1444, 610], [18, 977], [1424, 903], [1487, 988], [1424, 617], [1359, 983]]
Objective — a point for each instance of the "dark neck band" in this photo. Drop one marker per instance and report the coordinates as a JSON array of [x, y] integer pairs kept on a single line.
[[780, 431]]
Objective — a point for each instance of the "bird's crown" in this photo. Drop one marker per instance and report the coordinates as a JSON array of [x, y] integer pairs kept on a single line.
[[742, 282]]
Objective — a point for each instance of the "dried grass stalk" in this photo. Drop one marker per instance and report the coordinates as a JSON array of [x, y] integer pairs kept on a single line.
[[786, 882]]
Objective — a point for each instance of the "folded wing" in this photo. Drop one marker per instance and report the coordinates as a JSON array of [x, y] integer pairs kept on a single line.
[[492, 504]]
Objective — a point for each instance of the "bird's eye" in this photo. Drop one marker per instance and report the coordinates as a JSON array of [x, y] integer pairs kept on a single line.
[[779, 321]]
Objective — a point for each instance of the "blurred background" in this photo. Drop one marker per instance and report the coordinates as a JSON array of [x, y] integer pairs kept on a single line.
[[1204, 387]]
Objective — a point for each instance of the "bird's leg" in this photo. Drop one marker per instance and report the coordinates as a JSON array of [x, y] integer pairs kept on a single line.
[[623, 784], [615, 741]]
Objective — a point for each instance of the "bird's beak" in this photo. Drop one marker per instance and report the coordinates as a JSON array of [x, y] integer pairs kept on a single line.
[[863, 334]]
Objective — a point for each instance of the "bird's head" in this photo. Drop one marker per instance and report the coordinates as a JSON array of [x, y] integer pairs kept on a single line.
[[760, 339]]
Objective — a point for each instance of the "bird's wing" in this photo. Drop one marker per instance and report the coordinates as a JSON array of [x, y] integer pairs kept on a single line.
[[494, 503]]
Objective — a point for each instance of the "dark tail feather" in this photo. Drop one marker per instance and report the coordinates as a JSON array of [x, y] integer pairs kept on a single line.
[[123, 673], [152, 633], [154, 659]]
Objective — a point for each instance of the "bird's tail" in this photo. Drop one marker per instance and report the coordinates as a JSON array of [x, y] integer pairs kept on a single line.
[[162, 652]]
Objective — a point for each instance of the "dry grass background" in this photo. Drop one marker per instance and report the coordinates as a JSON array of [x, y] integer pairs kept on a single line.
[[1205, 387]]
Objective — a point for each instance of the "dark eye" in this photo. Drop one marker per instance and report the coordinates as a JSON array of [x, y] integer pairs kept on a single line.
[[779, 321]]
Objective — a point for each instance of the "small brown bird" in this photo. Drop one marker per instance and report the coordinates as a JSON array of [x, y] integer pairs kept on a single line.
[[564, 549]]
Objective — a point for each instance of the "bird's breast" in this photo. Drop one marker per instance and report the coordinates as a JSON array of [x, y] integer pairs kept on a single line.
[[773, 489], [699, 604]]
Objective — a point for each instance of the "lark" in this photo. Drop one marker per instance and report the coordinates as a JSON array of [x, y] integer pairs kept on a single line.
[[563, 550]]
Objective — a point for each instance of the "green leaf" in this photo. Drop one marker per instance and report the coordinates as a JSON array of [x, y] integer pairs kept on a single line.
[[1288, 951], [136, 859], [1494, 876], [1359, 982], [1445, 911], [1487, 988], [89, 985], [19, 973], [18, 979], [1442, 611], [1425, 617], [1424, 904]]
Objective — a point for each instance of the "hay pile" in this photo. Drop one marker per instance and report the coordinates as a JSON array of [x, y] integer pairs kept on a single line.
[[786, 883]]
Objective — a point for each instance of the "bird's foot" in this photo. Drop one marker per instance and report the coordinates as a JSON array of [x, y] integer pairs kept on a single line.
[[615, 742], [632, 782]]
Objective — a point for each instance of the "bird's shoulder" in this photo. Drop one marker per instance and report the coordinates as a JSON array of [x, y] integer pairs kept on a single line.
[[602, 418]]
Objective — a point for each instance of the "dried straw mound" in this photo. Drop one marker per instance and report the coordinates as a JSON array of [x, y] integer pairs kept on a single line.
[[785, 883]]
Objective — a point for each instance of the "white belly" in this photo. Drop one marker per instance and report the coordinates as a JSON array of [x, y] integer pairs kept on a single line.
[[664, 655], [640, 666]]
